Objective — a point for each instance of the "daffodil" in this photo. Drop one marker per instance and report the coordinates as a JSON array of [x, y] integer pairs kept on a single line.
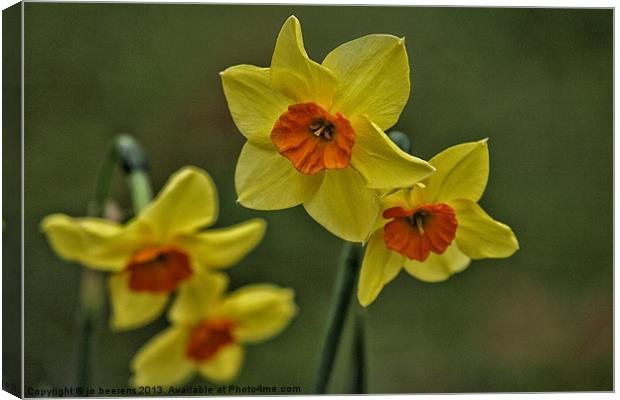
[[208, 330], [159, 251], [315, 132], [436, 228]]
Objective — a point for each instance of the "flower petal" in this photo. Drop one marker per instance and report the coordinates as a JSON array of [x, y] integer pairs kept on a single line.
[[265, 180], [254, 104], [294, 74], [225, 364], [260, 311], [379, 267], [438, 267], [131, 310], [96, 243], [381, 163], [162, 361], [480, 236], [344, 205], [373, 78], [462, 173], [196, 297], [187, 202], [224, 247], [398, 198]]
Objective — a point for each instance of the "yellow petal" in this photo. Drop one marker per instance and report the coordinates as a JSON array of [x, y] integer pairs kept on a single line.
[[260, 311], [187, 202], [294, 74], [344, 205], [225, 364], [253, 103], [162, 361], [398, 198], [96, 243], [196, 296], [265, 180], [218, 248], [381, 163], [373, 78], [462, 173], [131, 310], [438, 267], [379, 267], [480, 236]]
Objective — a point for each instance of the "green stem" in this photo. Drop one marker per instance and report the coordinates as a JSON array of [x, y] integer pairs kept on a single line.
[[348, 270], [91, 303], [91, 282], [125, 151], [359, 351], [345, 282]]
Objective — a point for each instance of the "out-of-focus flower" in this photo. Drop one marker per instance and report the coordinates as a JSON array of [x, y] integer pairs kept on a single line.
[[208, 330], [434, 229], [316, 131], [160, 250]]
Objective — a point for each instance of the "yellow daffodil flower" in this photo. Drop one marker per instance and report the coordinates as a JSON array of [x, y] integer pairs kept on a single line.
[[315, 132], [208, 329], [434, 229], [159, 251]]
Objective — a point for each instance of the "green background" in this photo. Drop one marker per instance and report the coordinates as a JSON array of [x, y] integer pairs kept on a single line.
[[537, 82]]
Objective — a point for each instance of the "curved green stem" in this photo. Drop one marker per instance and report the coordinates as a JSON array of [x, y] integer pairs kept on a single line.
[[401, 140], [124, 151], [104, 181], [140, 188], [133, 161], [345, 282]]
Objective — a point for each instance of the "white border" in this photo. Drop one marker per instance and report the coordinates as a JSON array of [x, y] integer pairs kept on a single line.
[[479, 3]]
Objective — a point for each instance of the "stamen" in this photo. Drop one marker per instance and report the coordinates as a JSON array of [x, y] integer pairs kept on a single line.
[[419, 222], [316, 124], [318, 132], [322, 128]]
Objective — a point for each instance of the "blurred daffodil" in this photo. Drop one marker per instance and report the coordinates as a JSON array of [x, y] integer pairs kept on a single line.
[[159, 251], [434, 229], [208, 330], [316, 131]]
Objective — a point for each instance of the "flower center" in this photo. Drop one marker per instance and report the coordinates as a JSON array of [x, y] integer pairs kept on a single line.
[[158, 269], [415, 233], [207, 338], [313, 139], [322, 128]]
